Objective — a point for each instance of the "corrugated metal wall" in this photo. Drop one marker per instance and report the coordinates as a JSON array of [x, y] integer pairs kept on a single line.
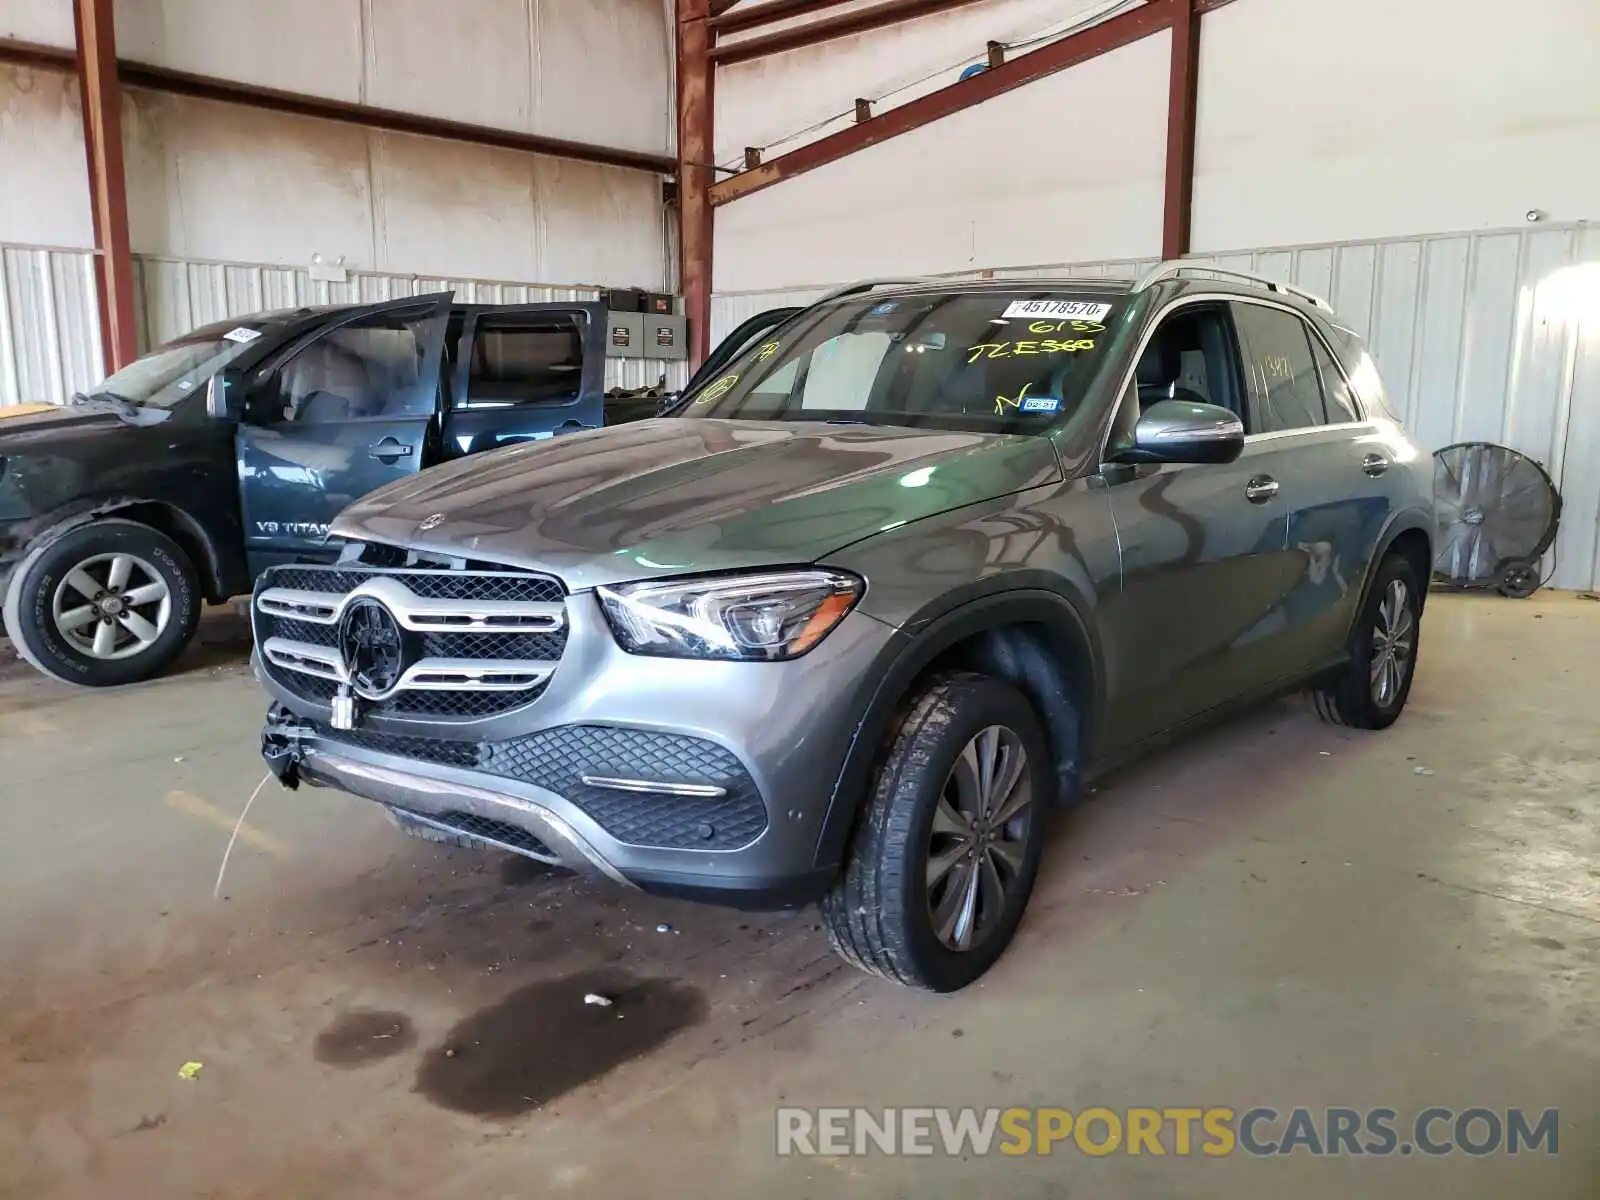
[[50, 333], [1492, 336], [49, 324]]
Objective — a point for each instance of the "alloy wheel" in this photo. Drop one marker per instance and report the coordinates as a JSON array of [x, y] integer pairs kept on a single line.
[[978, 842], [112, 606], [1393, 642]]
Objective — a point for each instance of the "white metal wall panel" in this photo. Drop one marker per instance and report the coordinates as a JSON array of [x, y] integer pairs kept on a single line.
[[1039, 173], [216, 182], [1342, 120], [1490, 336], [584, 70], [44, 179], [49, 325], [786, 100]]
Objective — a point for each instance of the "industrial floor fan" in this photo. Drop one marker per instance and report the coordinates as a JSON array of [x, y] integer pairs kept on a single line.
[[1496, 513]]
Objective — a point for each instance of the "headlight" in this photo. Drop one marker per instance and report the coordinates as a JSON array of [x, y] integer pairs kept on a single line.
[[765, 618]]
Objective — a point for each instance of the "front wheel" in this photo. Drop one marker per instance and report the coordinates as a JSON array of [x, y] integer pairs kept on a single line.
[[1383, 653], [107, 603], [942, 864]]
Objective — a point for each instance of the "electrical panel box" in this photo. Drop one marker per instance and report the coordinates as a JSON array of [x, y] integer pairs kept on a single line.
[[625, 335], [665, 336]]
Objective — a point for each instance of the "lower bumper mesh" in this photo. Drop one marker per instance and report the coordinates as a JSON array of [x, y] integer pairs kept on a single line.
[[558, 759]]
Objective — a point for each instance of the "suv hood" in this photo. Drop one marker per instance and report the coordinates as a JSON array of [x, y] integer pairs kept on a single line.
[[680, 495]]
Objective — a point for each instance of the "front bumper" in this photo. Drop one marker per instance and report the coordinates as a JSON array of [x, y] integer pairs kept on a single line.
[[707, 779]]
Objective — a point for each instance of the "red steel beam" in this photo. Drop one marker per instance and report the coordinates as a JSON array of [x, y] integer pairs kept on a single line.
[[108, 190], [696, 81], [1079, 47], [1183, 94], [205, 87], [890, 12], [769, 13]]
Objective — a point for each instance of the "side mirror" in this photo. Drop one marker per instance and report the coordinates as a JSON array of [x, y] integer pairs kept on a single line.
[[668, 401], [225, 395], [1183, 431]]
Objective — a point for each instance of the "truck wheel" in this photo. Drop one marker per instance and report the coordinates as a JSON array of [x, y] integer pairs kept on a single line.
[[1372, 690], [941, 867], [104, 604]]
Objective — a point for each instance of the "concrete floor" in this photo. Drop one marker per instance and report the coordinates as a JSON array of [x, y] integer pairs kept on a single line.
[[1276, 912]]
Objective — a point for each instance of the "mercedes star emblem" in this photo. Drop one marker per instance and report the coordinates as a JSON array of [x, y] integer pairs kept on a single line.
[[372, 647]]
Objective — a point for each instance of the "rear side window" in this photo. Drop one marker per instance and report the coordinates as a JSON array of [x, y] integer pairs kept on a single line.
[[1285, 389], [1337, 397], [525, 360]]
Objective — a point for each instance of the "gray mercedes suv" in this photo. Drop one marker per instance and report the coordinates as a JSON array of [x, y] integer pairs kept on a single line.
[[847, 624]]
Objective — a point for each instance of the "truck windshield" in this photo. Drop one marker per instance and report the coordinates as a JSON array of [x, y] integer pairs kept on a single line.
[[1007, 361], [169, 373]]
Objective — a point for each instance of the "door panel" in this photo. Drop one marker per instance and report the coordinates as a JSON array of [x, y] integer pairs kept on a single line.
[[1340, 510], [345, 412], [1205, 575], [1332, 472], [526, 372]]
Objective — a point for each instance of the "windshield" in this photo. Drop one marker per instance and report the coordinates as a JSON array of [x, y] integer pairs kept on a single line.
[[1002, 361], [171, 372]]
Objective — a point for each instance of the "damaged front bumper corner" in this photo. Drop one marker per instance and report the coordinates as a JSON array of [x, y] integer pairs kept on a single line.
[[295, 753]]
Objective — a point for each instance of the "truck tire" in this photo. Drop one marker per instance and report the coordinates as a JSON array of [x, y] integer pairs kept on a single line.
[[103, 604], [1371, 692], [944, 859]]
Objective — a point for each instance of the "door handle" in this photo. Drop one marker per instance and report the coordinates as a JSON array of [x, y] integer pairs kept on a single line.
[[388, 450], [1374, 464], [1261, 489]]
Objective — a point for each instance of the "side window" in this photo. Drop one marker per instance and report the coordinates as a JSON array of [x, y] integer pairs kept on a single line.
[[525, 359], [369, 368], [1190, 357], [1285, 392], [1341, 401]]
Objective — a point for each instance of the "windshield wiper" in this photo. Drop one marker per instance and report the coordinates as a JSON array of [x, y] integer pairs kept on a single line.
[[128, 408]]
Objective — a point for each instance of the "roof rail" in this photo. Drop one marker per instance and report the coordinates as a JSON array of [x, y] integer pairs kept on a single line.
[[862, 285], [1175, 268]]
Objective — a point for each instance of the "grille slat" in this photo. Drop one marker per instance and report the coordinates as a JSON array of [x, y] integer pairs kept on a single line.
[[467, 703]]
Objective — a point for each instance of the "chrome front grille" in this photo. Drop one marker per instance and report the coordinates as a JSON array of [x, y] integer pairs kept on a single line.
[[473, 644]]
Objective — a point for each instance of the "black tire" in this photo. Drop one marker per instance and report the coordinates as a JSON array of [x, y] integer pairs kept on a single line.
[[1353, 698], [30, 599], [1519, 580], [879, 913]]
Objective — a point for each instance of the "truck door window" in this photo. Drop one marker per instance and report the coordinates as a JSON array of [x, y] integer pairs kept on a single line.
[[531, 360], [369, 368]]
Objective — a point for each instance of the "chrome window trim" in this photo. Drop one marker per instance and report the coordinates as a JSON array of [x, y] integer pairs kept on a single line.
[[1192, 298]]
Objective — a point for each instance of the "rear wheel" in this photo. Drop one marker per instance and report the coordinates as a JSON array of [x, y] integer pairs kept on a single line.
[[106, 603], [945, 858], [1383, 653]]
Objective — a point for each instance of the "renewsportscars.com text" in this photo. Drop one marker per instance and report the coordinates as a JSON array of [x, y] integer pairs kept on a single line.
[[1215, 1131]]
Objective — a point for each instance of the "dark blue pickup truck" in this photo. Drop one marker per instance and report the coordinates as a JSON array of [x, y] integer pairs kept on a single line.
[[188, 472]]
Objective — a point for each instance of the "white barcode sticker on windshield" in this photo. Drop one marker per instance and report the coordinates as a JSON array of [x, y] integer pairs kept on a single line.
[[240, 333], [1061, 310]]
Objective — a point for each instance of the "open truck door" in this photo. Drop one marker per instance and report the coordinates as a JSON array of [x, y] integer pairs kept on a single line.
[[346, 409], [525, 372]]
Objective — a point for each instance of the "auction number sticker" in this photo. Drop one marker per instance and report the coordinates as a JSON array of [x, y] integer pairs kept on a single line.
[[242, 333], [1064, 310]]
